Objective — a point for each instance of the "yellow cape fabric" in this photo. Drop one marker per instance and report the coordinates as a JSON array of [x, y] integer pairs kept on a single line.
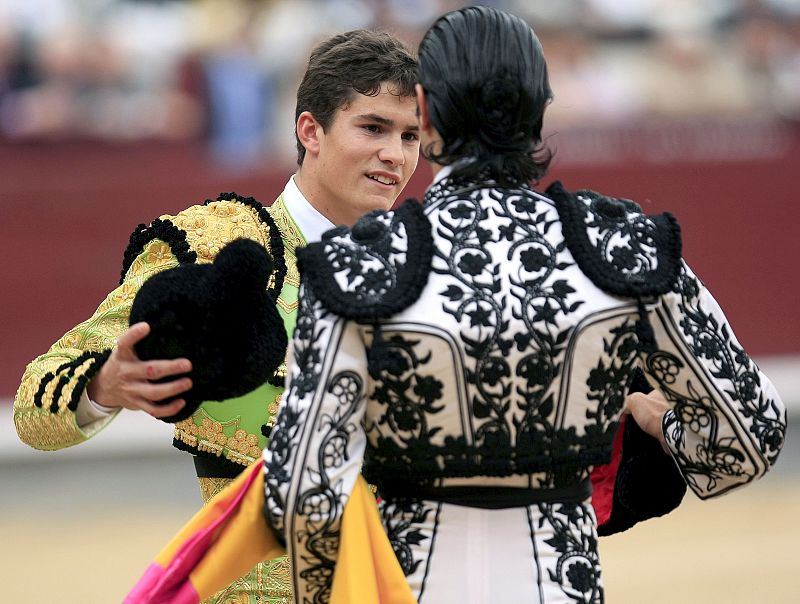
[[367, 570]]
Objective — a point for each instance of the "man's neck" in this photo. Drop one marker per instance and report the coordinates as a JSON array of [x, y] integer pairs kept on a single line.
[[313, 195], [310, 222]]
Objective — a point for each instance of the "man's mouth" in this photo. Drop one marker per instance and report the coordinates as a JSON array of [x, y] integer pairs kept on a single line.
[[384, 180]]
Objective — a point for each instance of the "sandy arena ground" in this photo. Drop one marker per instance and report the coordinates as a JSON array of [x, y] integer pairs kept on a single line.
[[82, 531]]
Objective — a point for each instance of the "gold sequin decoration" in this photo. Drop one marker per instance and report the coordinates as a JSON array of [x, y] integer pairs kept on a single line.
[[272, 410], [281, 371], [210, 437]]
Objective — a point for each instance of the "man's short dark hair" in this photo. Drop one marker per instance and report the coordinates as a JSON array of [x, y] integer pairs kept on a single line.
[[358, 61]]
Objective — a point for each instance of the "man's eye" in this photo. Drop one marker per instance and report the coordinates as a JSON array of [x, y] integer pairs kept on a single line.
[[372, 128], [410, 136]]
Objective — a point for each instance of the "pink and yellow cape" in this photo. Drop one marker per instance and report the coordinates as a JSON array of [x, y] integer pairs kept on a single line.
[[230, 535]]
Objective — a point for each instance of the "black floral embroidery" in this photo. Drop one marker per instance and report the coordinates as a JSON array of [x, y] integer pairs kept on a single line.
[[622, 250], [289, 421], [408, 395], [716, 458], [401, 521], [323, 504], [609, 382], [504, 442], [524, 220], [374, 270], [577, 570]]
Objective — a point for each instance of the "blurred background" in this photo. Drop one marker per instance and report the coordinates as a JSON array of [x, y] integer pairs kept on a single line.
[[113, 112]]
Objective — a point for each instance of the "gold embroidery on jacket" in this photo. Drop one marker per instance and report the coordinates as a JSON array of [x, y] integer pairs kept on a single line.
[[210, 437], [292, 239], [61, 428], [272, 410], [268, 583], [208, 229]]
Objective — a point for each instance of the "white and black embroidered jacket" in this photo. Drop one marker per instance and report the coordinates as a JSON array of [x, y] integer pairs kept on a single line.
[[493, 333]]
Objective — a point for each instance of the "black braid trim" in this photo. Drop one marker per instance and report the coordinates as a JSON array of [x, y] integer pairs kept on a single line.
[[80, 385], [68, 364], [607, 277], [412, 275], [62, 381], [66, 372], [51, 375], [276, 248], [163, 230], [46, 379]]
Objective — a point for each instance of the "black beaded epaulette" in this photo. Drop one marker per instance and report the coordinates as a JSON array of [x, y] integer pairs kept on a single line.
[[163, 230], [623, 251], [375, 269]]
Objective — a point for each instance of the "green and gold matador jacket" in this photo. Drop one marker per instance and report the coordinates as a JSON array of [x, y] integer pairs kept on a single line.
[[231, 434]]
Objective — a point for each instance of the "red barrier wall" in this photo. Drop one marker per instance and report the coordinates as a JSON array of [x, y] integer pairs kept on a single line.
[[66, 211]]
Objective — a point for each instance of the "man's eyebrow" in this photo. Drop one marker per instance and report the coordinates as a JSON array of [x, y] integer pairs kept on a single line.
[[384, 121]]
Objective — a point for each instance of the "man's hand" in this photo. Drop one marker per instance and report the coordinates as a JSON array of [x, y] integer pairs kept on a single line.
[[126, 381], [648, 410]]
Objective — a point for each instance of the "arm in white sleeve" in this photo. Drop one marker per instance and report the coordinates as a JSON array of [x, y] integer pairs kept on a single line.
[[317, 445], [728, 423]]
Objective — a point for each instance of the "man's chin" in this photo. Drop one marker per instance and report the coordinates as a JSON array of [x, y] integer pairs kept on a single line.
[[380, 202]]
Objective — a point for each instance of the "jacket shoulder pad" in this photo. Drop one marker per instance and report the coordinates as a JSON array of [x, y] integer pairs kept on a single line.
[[375, 269], [624, 251], [198, 233]]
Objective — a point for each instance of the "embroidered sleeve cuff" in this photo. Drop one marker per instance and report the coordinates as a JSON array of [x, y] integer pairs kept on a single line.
[[672, 430]]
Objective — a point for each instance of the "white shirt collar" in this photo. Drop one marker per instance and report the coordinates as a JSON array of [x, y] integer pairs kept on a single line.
[[310, 222], [441, 175]]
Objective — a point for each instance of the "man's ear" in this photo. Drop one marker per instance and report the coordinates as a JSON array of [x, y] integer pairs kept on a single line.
[[308, 132], [422, 107]]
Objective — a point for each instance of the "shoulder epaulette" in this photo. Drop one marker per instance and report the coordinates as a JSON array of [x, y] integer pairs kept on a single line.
[[165, 230], [275, 247], [375, 269], [160, 229], [624, 251]]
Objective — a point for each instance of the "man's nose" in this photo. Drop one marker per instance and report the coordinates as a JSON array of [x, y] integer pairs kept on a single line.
[[392, 152]]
